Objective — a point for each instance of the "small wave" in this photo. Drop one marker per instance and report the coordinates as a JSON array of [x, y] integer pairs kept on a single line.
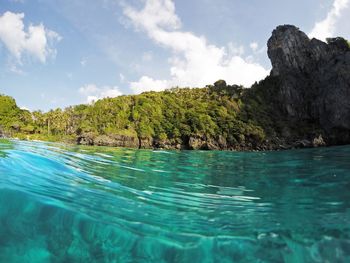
[[128, 204]]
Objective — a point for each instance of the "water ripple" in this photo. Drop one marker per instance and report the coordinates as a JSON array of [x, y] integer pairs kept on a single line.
[[139, 205]]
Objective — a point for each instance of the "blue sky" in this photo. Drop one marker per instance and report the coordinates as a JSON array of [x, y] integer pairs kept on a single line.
[[55, 53]]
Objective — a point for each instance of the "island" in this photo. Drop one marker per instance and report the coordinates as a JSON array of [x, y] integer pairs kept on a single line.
[[304, 102]]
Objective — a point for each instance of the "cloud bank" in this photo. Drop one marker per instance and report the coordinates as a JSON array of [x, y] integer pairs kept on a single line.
[[194, 62], [327, 27], [93, 93], [36, 41]]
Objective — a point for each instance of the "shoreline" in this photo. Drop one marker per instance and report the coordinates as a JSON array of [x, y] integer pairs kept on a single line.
[[298, 144]]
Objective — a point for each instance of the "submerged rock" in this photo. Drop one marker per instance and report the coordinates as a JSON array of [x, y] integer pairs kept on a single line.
[[331, 250]]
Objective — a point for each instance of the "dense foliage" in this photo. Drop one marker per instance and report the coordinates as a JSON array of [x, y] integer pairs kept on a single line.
[[218, 111]]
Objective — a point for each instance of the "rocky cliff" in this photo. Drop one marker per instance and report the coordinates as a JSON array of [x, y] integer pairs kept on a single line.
[[314, 80]]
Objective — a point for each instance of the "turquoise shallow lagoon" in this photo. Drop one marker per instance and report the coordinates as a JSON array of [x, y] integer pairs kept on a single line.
[[74, 204]]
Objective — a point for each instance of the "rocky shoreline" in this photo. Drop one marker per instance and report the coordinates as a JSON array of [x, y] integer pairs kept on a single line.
[[194, 143], [198, 143]]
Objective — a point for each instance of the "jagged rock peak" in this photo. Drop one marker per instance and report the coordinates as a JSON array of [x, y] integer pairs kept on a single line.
[[314, 80], [290, 49]]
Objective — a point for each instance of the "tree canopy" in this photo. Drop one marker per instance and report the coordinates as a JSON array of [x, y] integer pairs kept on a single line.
[[230, 112]]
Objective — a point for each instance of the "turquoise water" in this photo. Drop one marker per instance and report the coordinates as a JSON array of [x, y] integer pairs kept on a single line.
[[73, 204]]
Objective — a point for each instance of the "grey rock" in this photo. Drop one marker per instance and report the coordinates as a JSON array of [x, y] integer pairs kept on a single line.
[[115, 140], [86, 138], [303, 144], [197, 143], [222, 142], [168, 144], [146, 143], [314, 80], [318, 141]]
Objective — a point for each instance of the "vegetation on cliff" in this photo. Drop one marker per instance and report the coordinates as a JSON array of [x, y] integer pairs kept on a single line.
[[217, 116]]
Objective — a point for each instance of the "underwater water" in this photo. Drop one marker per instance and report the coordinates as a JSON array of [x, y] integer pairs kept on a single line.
[[84, 204]]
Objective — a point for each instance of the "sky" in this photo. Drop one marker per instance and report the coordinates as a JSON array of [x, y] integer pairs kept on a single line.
[[56, 53]]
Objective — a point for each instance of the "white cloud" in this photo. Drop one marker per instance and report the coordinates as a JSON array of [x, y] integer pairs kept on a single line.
[[327, 27], [254, 46], [13, 67], [194, 61], [93, 93], [147, 83], [24, 108], [235, 50], [36, 41]]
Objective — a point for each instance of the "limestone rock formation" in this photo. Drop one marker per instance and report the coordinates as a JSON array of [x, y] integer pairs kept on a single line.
[[86, 138], [112, 140], [115, 140], [314, 80]]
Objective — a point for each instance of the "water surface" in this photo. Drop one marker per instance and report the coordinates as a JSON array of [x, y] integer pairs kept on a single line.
[[84, 204]]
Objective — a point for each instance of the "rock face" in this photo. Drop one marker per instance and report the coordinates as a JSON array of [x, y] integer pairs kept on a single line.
[[314, 80], [116, 140], [205, 143], [145, 143], [86, 139], [112, 140]]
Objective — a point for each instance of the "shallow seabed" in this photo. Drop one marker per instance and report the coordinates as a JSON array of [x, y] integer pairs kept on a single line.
[[84, 204]]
